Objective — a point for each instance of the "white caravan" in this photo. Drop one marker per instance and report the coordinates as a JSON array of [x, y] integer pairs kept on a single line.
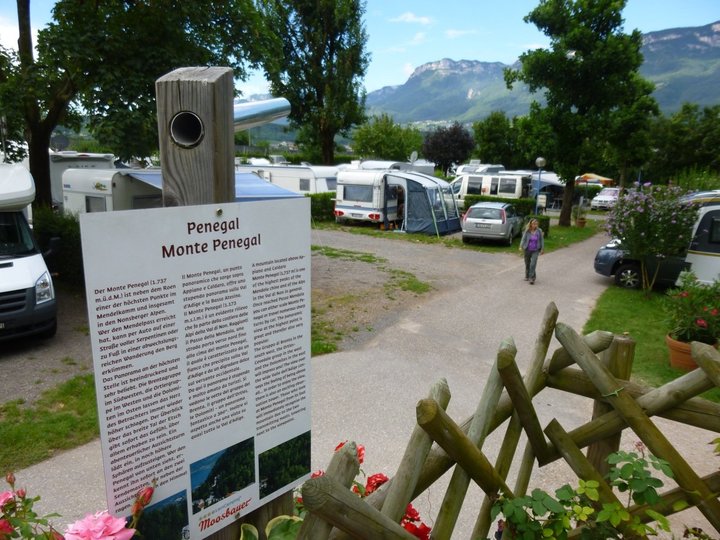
[[507, 184], [412, 201], [101, 190], [61, 161], [303, 179], [27, 295]]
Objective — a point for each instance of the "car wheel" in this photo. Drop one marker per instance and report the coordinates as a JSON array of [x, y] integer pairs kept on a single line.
[[509, 238], [628, 276], [465, 239]]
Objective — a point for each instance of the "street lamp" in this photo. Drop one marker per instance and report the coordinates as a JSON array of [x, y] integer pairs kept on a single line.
[[540, 162]]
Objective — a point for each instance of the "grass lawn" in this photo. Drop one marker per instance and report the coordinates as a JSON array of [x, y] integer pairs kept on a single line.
[[642, 317]]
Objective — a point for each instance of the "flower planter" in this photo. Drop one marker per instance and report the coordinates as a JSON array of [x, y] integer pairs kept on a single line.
[[580, 222], [680, 354]]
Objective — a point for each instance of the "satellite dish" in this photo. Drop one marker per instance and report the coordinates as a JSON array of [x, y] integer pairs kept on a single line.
[[413, 156]]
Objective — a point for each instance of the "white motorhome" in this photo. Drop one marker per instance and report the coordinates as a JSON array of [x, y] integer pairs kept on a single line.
[[703, 256], [507, 184], [61, 161], [303, 179], [27, 295]]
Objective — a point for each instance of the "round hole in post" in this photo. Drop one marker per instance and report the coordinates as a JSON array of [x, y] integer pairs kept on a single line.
[[186, 129]]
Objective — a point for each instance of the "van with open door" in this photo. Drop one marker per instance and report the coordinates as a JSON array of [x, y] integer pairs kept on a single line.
[[27, 295]]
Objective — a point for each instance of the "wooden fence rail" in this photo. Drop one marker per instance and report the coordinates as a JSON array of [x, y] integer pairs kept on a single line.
[[604, 361]]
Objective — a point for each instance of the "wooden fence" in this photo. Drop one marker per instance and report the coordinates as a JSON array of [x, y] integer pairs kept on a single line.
[[335, 512]]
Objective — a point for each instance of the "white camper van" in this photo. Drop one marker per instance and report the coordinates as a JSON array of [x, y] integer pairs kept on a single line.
[[507, 184], [303, 179], [27, 296], [703, 256]]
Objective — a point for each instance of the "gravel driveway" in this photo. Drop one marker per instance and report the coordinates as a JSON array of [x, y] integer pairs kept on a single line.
[[367, 393]]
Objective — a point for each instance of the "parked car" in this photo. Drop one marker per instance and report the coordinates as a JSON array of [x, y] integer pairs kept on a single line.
[[606, 199], [613, 260], [491, 221]]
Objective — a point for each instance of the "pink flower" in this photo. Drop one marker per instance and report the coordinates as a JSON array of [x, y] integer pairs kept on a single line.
[[99, 526], [5, 496], [701, 323], [317, 473], [10, 478]]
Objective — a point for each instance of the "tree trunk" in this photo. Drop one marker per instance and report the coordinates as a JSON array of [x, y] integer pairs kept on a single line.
[[38, 144], [566, 211]]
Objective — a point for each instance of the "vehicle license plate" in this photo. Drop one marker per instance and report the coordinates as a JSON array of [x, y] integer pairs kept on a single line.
[[482, 225], [356, 215]]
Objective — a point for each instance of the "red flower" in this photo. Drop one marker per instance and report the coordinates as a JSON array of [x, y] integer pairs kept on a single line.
[[145, 495], [701, 323], [374, 482], [5, 529], [10, 478], [421, 531], [360, 451], [411, 514], [683, 294], [21, 493], [317, 473], [714, 312]]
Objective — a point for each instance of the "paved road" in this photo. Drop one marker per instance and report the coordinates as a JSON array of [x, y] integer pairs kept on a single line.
[[369, 394]]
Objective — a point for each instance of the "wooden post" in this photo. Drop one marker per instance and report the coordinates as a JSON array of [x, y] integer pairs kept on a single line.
[[196, 136], [195, 129], [619, 358]]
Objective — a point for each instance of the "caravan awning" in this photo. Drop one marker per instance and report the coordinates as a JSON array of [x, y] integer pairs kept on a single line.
[[248, 186], [592, 177]]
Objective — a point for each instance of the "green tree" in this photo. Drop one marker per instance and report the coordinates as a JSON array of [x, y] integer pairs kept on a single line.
[[447, 145], [382, 138], [496, 140], [318, 67], [589, 72], [104, 57]]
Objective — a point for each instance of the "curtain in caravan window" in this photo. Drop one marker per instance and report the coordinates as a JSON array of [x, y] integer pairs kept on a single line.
[[494, 185], [507, 185]]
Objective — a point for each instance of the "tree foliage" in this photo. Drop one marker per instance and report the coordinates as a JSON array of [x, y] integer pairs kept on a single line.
[[588, 73], [448, 145], [382, 138], [653, 223], [496, 140], [318, 66], [103, 58]]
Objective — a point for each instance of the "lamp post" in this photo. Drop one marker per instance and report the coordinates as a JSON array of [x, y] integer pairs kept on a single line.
[[540, 162]]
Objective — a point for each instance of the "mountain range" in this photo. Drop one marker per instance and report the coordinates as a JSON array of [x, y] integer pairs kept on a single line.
[[683, 63]]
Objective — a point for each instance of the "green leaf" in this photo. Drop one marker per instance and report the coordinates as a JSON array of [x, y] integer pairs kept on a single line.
[[248, 532], [283, 528]]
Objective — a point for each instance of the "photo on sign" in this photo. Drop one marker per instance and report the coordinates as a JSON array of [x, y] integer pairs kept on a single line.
[[167, 518], [283, 464], [219, 475]]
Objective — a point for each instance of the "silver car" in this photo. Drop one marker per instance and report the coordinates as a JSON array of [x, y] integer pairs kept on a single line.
[[491, 221]]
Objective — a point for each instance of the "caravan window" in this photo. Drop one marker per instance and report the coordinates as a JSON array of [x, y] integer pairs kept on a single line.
[[494, 185], [358, 193], [95, 204], [331, 183], [304, 184], [507, 185], [474, 186]]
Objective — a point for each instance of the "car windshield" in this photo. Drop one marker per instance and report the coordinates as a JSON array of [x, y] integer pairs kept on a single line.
[[609, 192], [484, 213]]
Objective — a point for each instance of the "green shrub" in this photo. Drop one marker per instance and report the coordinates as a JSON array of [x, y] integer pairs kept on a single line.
[[322, 206], [67, 262]]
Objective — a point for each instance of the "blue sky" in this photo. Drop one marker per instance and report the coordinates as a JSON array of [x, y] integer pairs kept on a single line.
[[404, 34]]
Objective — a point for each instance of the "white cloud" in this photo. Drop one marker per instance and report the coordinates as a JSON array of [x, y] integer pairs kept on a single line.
[[418, 39], [408, 69], [409, 17], [454, 34]]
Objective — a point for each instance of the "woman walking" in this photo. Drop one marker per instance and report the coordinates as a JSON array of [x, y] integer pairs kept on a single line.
[[533, 244]]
